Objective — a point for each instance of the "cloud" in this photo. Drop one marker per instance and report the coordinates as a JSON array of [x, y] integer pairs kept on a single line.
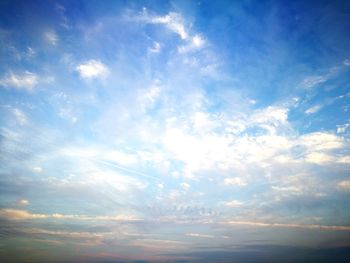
[[121, 157], [319, 158], [147, 97], [30, 52], [195, 43], [51, 37], [16, 214], [232, 203], [344, 159], [177, 24], [235, 181], [346, 62], [20, 81], [185, 186], [344, 185], [103, 154], [313, 109], [199, 235], [319, 141], [311, 226], [342, 128], [21, 118], [313, 81], [67, 114], [271, 114], [156, 48], [37, 169], [92, 69], [24, 202], [173, 21]]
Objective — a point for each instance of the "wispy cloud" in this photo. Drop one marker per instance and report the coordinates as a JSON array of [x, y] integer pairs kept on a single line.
[[15, 214], [51, 37], [156, 48], [176, 23], [313, 109], [20, 117], [200, 235], [173, 21], [22, 81], [196, 43], [262, 224]]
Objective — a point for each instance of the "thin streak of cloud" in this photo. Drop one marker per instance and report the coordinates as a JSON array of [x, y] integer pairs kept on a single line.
[[16, 214], [313, 226]]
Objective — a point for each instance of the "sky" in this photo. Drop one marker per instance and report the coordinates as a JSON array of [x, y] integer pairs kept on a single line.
[[174, 131]]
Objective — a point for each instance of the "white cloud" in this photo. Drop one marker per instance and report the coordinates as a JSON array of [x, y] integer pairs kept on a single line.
[[24, 202], [313, 109], [235, 181], [319, 158], [270, 118], [198, 153], [156, 48], [100, 153], [173, 21], [30, 52], [344, 185], [16, 214], [198, 41], [288, 190], [92, 69], [199, 235], [185, 186], [319, 141], [67, 114], [121, 157], [346, 62], [148, 97], [21, 118], [342, 128], [37, 169], [177, 24], [311, 82], [51, 37], [202, 121], [311, 226], [344, 159], [25, 81], [252, 101], [233, 203], [194, 43]]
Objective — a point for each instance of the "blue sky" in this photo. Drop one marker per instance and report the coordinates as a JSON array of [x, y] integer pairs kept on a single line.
[[181, 131]]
